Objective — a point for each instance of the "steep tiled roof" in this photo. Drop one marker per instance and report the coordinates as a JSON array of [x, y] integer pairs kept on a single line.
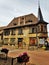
[[40, 16], [17, 26], [16, 21], [27, 17], [13, 23], [1, 28]]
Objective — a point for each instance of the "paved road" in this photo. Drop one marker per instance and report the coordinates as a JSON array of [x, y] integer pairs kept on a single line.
[[37, 57]]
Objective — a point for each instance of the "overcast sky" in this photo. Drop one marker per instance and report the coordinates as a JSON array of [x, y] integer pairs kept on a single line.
[[14, 8]]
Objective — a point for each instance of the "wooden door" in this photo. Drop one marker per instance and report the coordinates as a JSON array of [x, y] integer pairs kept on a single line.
[[32, 41]]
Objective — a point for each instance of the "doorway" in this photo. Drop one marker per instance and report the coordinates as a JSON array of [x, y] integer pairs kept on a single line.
[[32, 41], [20, 42]]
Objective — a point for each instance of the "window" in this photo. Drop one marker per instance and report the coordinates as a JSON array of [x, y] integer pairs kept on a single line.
[[6, 32], [21, 22], [28, 21], [38, 29], [32, 30], [13, 32], [22, 18], [12, 40], [41, 28], [6, 40], [45, 28], [20, 31], [14, 23]]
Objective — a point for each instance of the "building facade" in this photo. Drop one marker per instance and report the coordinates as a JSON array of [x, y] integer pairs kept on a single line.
[[25, 30]]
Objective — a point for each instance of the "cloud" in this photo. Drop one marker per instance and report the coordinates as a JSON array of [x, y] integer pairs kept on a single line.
[[1, 24], [14, 8]]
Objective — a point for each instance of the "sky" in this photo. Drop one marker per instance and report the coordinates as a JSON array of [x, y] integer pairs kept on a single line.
[[15, 8]]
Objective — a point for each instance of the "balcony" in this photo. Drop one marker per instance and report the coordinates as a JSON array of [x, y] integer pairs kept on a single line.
[[43, 35]]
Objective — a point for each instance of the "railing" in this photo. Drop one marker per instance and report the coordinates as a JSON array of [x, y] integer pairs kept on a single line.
[[8, 61]]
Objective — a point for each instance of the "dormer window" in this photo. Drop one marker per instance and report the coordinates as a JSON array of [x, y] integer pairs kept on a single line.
[[14, 23], [28, 21], [21, 22], [22, 18]]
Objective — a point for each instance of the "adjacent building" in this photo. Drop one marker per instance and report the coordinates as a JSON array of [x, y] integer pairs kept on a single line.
[[25, 30]]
